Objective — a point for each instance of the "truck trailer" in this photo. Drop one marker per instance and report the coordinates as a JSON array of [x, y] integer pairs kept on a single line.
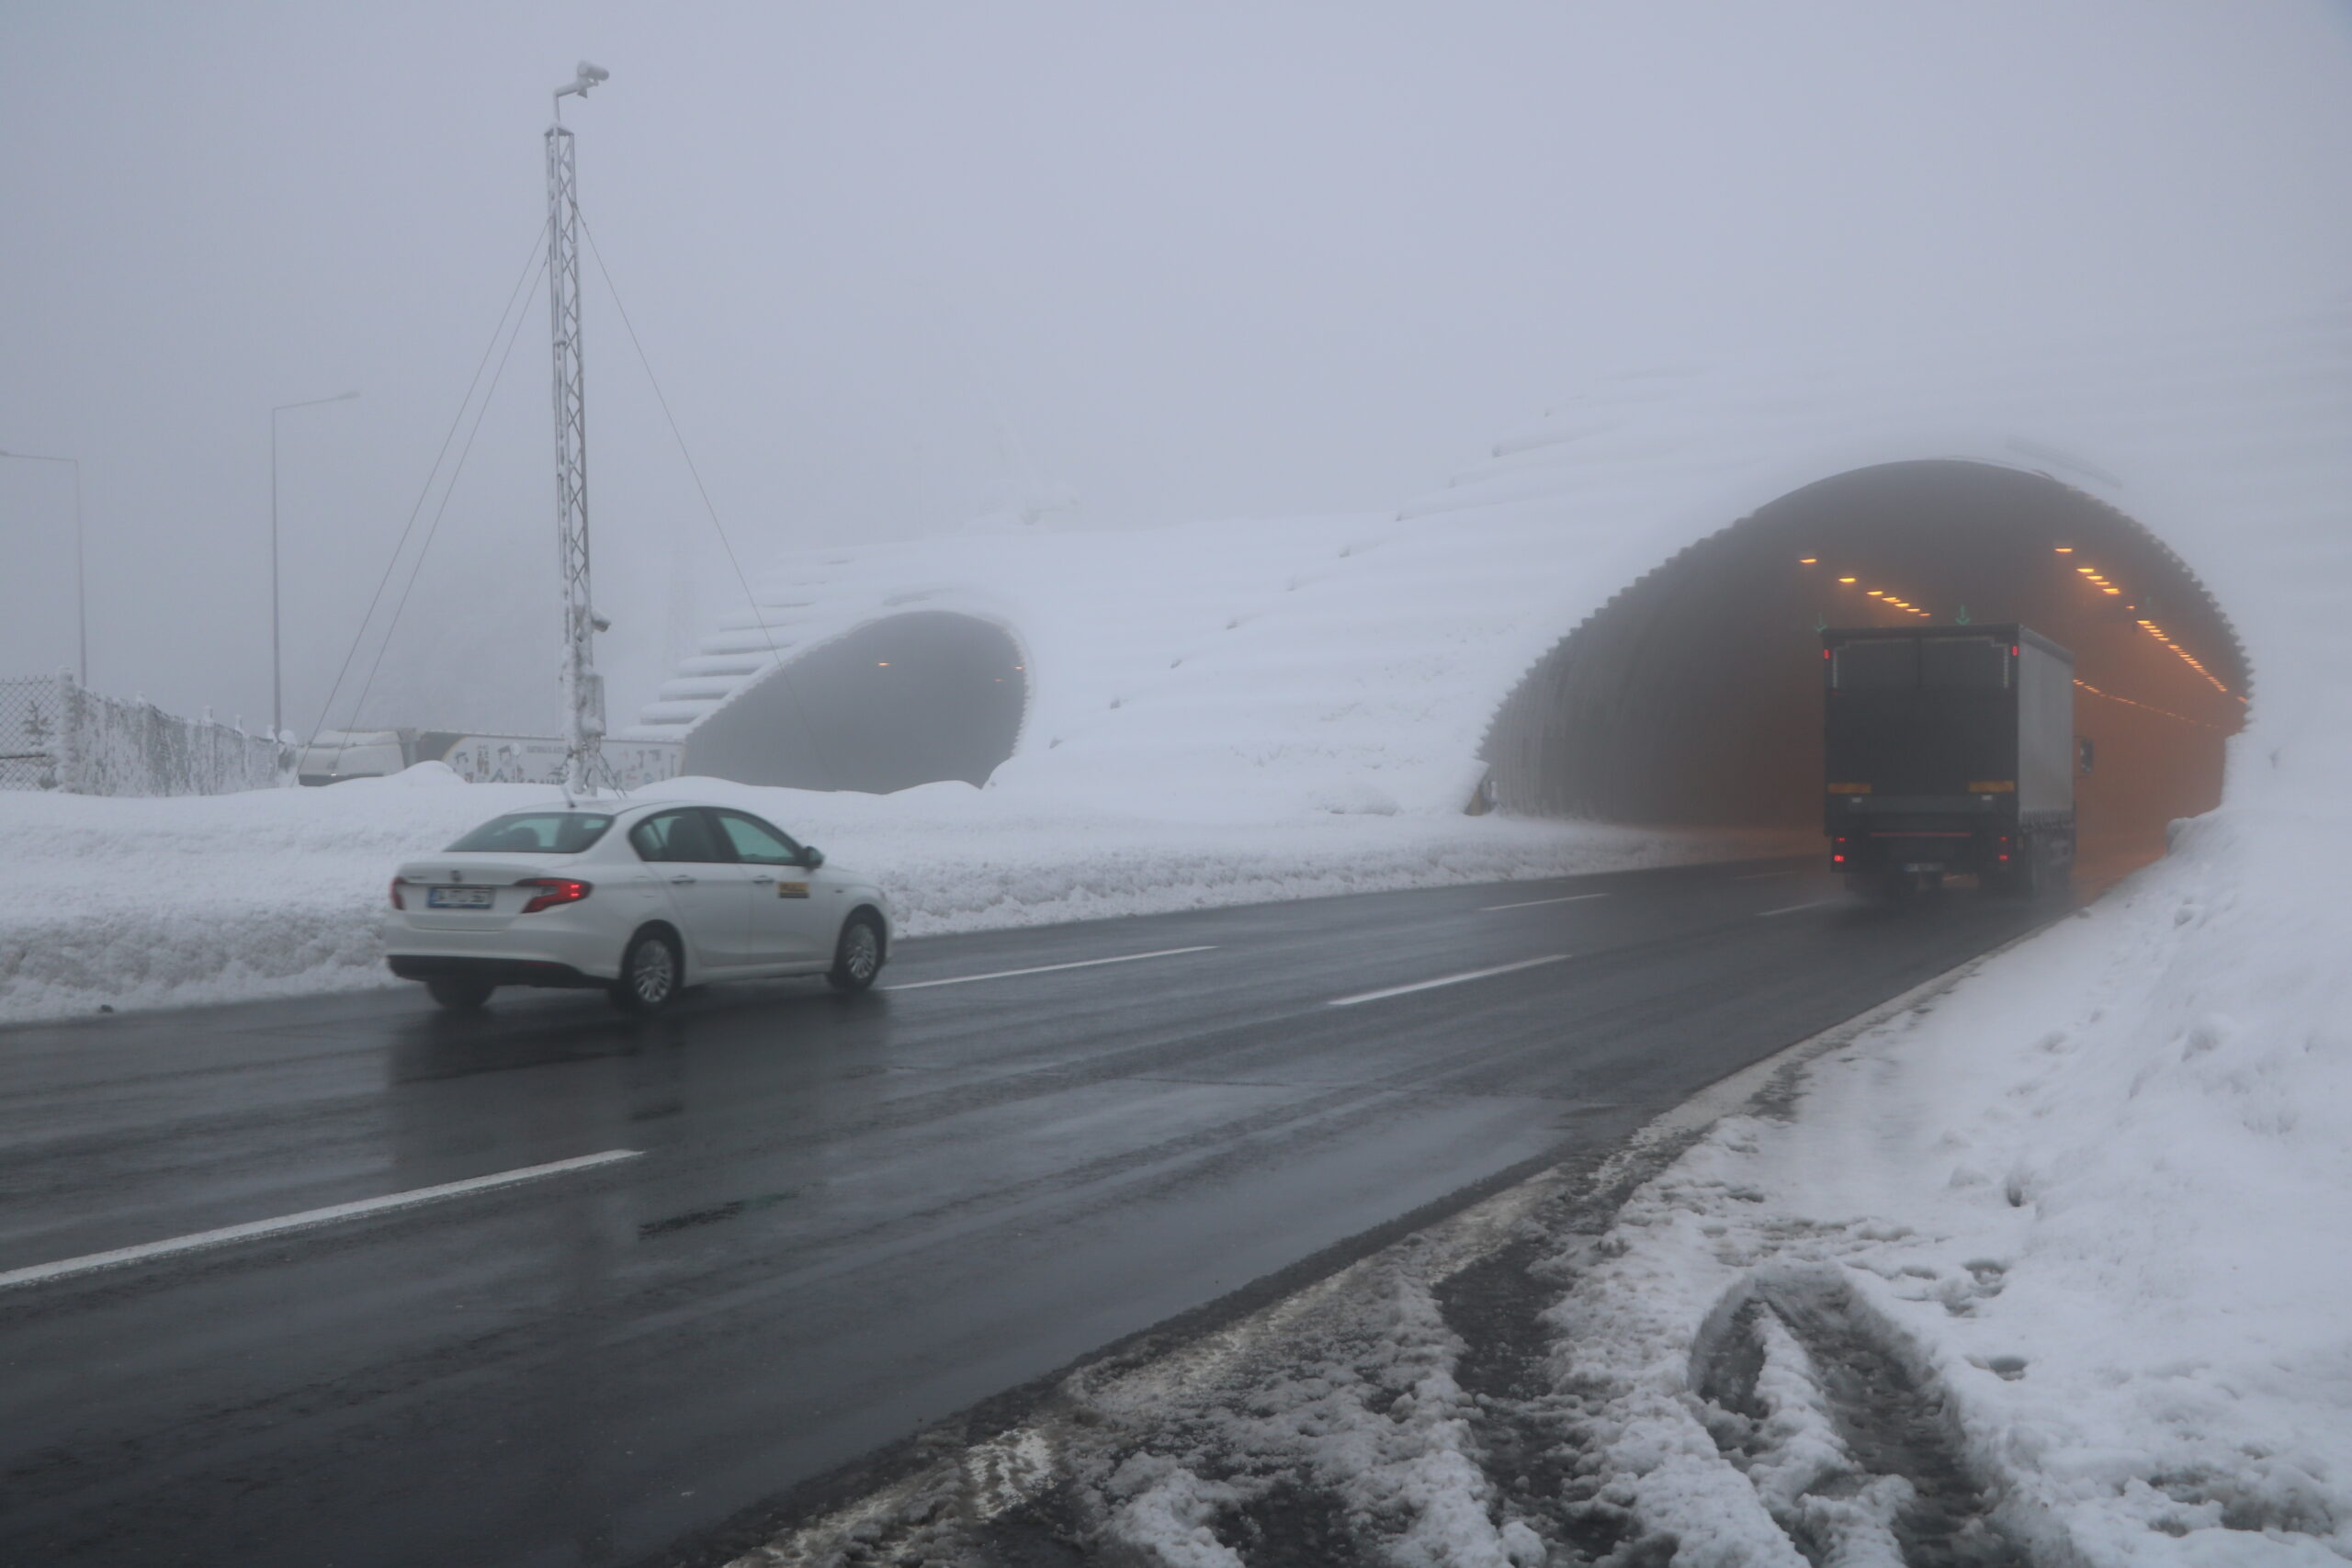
[[1949, 750]]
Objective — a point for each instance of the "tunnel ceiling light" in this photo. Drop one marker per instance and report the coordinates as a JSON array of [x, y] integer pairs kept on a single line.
[[1844, 580], [1808, 560], [2064, 549], [2087, 570], [881, 664], [1877, 593]]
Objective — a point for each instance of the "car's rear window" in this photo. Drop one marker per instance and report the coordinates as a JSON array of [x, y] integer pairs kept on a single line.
[[536, 833]]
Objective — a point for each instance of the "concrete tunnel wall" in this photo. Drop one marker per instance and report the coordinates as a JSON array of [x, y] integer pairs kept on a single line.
[[909, 699], [1694, 697]]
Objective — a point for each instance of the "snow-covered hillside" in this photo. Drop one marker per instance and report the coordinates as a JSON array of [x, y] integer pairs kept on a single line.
[[1279, 665]]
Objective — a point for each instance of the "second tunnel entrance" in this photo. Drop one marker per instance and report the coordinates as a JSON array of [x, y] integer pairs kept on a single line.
[[907, 700]]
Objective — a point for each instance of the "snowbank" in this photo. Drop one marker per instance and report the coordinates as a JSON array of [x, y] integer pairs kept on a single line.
[[124, 903], [2049, 1271], [2093, 1207]]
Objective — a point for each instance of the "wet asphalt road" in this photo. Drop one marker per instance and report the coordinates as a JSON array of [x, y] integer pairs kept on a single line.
[[850, 1215]]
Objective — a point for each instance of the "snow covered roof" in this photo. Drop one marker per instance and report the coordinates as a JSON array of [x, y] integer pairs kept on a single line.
[[1355, 663]]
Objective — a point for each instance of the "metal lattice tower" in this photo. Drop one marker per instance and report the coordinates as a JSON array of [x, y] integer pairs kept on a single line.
[[583, 689]]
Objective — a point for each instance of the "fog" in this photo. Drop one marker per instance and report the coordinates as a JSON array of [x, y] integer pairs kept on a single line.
[[901, 266]]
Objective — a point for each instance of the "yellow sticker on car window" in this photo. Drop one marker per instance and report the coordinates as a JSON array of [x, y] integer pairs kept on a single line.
[[792, 890]]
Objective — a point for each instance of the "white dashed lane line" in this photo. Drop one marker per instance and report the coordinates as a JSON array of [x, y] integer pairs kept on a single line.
[[1441, 981], [1571, 898], [1793, 908], [148, 1252], [1047, 968]]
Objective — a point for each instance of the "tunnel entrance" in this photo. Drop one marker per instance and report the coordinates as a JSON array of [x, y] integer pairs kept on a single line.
[[907, 700], [1694, 697]]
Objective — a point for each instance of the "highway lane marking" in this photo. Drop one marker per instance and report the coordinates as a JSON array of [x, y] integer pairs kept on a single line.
[[1793, 908], [1441, 981], [1765, 876], [1571, 898], [1050, 968], [122, 1256]]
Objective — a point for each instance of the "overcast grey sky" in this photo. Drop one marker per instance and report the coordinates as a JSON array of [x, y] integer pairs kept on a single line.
[[1208, 259]]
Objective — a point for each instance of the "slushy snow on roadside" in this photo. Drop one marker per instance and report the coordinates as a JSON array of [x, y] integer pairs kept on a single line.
[[2084, 1223], [2047, 1272]]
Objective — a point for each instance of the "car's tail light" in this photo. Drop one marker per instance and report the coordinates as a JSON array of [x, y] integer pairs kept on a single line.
[[553, 890], [398, 883]]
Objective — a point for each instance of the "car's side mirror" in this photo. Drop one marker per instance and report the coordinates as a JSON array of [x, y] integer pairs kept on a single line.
[[2083, 752], [811, 856]]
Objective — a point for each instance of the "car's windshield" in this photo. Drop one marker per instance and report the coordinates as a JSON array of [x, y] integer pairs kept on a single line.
[[536, 833]]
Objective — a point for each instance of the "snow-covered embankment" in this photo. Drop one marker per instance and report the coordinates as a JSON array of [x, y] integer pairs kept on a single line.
[[154, 903]]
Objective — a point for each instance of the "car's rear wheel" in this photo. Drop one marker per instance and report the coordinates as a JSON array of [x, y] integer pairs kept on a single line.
[[857, 957], [460, 996], [650, 973]]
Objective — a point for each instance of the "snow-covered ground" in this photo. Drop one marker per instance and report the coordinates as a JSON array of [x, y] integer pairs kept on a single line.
[[2049, 1268], [114, 902]]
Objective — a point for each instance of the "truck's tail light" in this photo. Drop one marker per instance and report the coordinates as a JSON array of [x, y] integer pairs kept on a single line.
[[398, 883], [553, 890], [1841, 859]]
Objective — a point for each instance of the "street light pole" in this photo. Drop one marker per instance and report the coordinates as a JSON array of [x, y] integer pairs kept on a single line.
[[81, 619], [276, 664]]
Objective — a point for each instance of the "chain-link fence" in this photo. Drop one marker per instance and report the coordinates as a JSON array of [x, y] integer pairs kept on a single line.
[[54, 735], [32, 724]]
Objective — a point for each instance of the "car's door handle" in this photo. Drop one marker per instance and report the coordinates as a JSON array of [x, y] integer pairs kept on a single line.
[[681, 879], [762, 881]]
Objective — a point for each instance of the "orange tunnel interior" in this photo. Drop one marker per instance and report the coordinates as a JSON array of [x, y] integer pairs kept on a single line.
[[1693, 698]]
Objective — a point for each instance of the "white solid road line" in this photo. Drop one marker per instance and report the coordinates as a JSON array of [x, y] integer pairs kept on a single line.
[[1793, 908], [1442, 980], [1050, 968], [1571, 898], [92, 1263]]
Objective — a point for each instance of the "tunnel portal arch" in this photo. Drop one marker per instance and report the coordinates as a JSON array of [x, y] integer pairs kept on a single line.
[[909, 699], [1693, 697]]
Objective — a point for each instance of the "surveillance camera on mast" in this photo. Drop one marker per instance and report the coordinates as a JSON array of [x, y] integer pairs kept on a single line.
[[584, 76]]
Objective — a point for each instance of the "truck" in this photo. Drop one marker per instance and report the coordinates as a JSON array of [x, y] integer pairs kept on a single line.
[[1949, 750]]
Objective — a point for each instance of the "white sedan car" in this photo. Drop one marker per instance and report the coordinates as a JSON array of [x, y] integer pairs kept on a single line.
[[639, 899]]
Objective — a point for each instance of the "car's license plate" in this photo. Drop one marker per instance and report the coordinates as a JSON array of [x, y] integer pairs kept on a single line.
[[458, 898]]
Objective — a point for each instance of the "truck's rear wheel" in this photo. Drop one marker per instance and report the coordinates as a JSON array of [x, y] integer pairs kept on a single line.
[[2030, 871], [1881, 887]]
